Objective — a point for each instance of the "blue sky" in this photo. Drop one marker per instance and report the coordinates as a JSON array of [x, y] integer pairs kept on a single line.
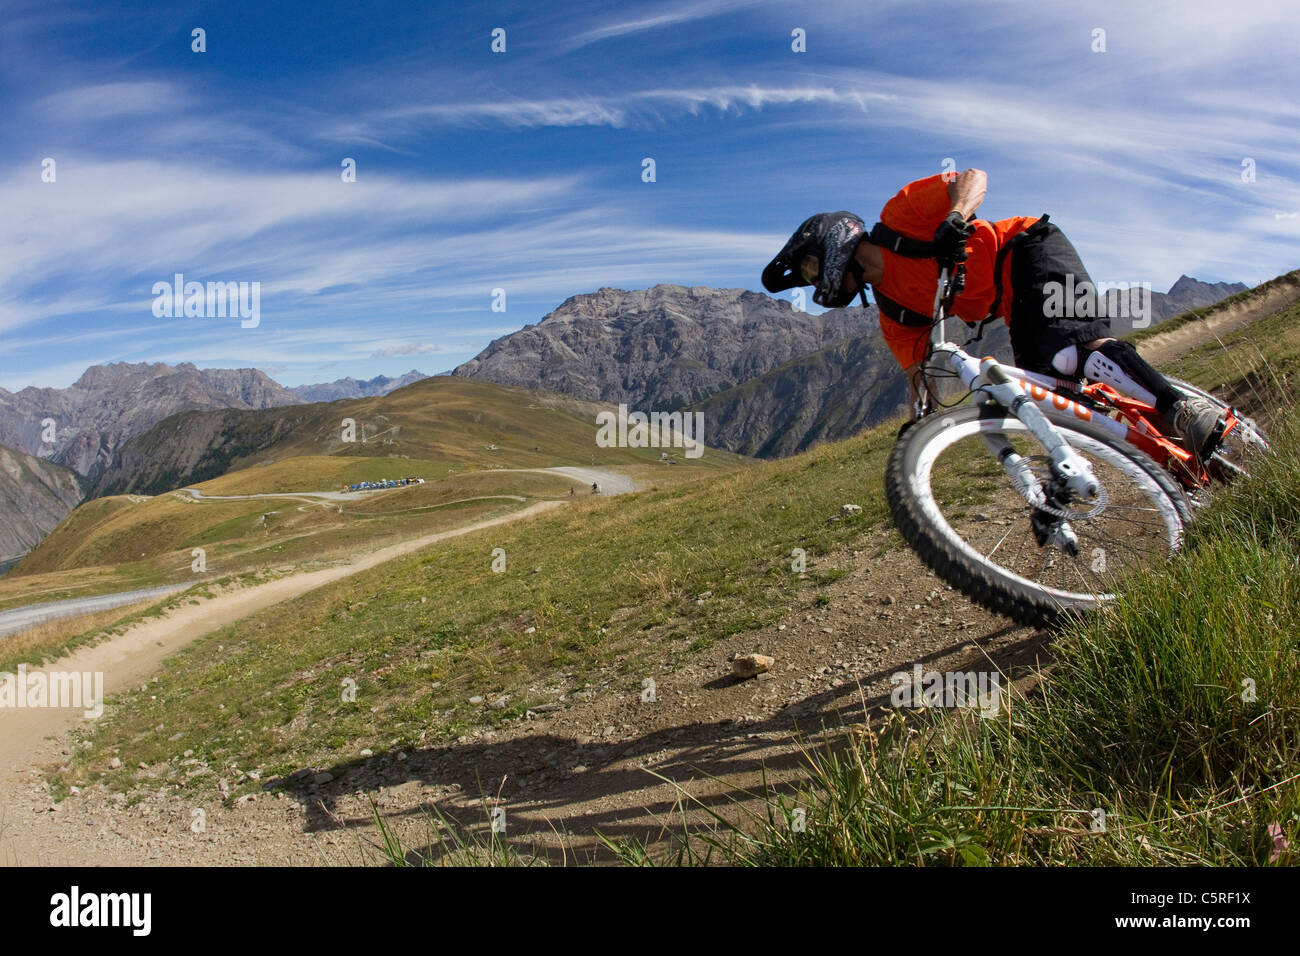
[[522, 170]]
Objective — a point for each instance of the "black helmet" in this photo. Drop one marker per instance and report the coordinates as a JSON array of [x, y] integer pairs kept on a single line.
[[818, 254]]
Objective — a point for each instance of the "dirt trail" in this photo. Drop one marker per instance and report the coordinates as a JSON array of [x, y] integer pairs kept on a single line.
[[1173, 344], [28, 736]]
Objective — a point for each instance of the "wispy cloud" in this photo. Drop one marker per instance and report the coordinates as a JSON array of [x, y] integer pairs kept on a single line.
[[104, 223], [409, 348], [617, 111], [662, 17], [104, 102]]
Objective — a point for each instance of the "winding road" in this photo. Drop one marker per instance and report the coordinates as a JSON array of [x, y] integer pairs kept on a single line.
[[19, 618], [609, 482]]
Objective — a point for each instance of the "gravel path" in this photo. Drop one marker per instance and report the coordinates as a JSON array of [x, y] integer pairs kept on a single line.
[[325, 495], [610, 482]]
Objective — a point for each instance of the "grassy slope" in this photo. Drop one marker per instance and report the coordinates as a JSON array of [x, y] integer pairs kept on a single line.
[[619, 579], [447, 419], [1255, 366], [166, 527], [442, 424]]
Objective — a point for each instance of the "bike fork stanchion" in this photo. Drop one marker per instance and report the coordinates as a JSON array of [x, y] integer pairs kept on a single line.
[[1022, 476]]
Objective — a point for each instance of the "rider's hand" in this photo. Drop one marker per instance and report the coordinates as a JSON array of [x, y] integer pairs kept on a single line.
[[950, 239]]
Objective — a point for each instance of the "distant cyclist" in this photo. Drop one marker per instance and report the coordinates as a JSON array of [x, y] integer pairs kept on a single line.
[[1014, 270]]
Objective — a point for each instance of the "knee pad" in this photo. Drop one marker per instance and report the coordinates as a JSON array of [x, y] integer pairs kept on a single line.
[[1120, 357], [1119, 365], [1073, 359], [1068, 360], [1112, 363]]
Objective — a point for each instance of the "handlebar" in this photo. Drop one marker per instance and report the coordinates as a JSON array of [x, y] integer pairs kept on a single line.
[[952, 280], [951, 285]]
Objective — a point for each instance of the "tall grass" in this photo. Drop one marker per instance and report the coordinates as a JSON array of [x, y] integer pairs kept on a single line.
[[446, 843]]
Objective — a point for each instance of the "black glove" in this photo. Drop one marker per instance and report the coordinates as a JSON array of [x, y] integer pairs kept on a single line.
[[950, 239]]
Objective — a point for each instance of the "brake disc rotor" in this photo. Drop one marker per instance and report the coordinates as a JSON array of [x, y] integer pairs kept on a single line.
[[1072, 514]]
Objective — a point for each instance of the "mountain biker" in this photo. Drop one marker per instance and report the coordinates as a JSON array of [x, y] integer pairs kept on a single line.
[[1014, 270]]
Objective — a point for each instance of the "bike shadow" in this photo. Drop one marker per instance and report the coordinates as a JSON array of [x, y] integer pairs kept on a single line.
[[537, 776]]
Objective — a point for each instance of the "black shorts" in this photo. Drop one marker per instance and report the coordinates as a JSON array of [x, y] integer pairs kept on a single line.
[[1043, 255]]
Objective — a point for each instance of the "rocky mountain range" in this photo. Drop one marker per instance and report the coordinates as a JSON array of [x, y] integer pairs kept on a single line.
[[1126, 305], [661, 348], [83, 426], [353, 388], [35, 495], [1188, 293]]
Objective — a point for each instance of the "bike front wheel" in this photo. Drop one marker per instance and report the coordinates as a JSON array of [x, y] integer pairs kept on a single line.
[[956, 507]]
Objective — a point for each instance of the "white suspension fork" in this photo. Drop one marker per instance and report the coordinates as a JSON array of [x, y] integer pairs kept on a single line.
[[989, 377]]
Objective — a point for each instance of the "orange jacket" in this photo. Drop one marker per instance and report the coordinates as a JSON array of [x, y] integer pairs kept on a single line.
[[916, 211]]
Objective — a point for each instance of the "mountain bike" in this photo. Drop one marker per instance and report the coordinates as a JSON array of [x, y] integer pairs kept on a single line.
[[1037, 495]]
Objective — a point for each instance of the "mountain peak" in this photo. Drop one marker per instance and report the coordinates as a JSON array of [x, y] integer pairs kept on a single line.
[[661, 347], [96, 375], [1189, 293]]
